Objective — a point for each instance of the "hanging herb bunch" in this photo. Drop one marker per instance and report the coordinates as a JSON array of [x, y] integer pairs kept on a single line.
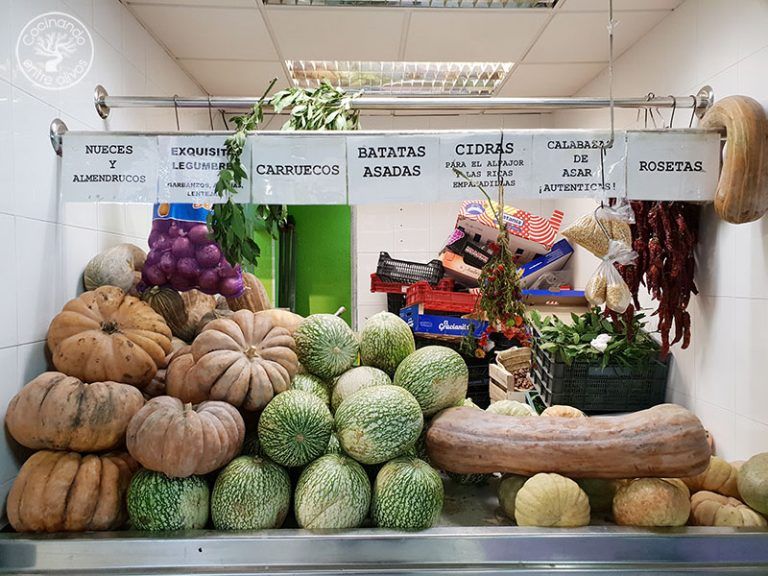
[[501, 293], [234, 226]]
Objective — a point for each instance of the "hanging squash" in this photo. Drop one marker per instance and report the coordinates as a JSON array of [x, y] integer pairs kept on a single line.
[[69, 492], [710, 509], [107, 335], [254, 298], [58, 412], [174, 438], [244, 360], [116, 266], [742, 192]]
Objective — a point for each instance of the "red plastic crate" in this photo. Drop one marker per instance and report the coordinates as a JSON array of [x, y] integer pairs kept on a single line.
[[440, 300], [378, 285]]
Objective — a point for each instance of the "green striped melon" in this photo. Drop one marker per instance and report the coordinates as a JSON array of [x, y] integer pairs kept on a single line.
[[436, 376], [355, 379], [385, 342], [511, 408], [313, 385], [332, 493], [407, 495], [251, 493], [333, 445], [326, 345], [157, 502], [378, 423], [294, 428]]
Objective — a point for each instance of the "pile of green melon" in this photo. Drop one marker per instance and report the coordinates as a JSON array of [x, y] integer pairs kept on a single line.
[[342, 448]]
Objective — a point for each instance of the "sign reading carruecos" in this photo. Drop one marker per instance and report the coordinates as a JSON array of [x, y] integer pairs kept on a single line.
[[395, 167]]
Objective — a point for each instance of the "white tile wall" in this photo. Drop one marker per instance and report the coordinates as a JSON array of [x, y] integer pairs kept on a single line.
[[721, 376], [46, 243]]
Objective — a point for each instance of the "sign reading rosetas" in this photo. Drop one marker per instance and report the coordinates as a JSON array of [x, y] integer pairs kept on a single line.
[[189, 169], [386, 169], [661, 164], [109, 168], [290, 170]]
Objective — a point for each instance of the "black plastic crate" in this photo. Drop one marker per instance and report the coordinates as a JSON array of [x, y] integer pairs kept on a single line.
[[592, 388], [405, 272], [395, 302]]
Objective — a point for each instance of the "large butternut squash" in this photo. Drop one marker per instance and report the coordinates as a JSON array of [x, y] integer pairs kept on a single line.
[[664, 441], [742, 192]]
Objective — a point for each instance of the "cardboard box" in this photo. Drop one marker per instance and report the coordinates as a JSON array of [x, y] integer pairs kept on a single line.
[[552, 261], [529, 234], [456, 268]]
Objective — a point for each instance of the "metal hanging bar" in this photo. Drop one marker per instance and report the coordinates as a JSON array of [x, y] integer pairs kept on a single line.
[[699, 103]]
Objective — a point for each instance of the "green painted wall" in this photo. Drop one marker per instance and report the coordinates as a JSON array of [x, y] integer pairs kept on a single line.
[[264, 269], [323, 259]]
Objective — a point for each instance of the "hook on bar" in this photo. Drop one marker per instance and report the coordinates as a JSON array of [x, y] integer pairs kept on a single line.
[[57, 130]]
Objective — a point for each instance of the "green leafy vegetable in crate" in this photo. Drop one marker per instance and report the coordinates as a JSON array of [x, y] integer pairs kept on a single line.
[[584, 340]]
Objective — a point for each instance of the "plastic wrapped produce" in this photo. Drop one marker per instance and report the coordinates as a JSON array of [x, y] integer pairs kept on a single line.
[[182, 256]]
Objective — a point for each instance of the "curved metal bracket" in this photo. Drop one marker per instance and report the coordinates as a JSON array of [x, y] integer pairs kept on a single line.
[[705, 99], [99, 97], [57, 130]]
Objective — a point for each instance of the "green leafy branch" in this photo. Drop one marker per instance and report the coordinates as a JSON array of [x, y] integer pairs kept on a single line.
[[234, 226]]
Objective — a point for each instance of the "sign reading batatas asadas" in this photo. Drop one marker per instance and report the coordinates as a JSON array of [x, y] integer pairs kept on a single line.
[[189, 168], [101, 167], [663, 164], [484, 159], [290, 170], [567, 164], [383, 169]]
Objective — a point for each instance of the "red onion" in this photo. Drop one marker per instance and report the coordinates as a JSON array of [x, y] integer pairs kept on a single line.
[[153, 276], [198, 234], [208, 280], [188, 268], [208, 256], [182, 247]]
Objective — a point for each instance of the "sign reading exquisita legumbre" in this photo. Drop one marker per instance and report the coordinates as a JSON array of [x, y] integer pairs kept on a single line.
[[396, 167]]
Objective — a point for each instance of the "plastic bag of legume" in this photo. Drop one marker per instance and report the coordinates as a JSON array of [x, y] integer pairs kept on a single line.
[[606, 286], [595, 230]]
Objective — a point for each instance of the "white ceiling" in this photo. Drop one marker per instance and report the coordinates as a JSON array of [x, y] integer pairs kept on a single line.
[[236, 47]]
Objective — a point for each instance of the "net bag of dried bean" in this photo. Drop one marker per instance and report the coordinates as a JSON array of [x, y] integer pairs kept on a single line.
[[606, 286]]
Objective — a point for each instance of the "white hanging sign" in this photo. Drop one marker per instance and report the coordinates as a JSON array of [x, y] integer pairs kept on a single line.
[[663, 165], [567, 164], [189, 168], [383, 169], [102, 167], [476, 155], [290, 170]]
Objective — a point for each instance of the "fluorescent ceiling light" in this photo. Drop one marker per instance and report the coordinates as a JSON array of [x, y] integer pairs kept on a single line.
[[402, 78], [421, 3]]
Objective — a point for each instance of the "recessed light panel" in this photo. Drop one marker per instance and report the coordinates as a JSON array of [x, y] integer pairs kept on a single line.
[[545, 4], [402, 78]]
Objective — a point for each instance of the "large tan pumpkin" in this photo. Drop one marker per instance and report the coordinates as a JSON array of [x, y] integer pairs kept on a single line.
[[710, 509], [652, 502], [68, 492], [174, 438], [282, 318], [107, 335], [254, 298], [59, 412], [551, 500], [720, 477], [244, 360]]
